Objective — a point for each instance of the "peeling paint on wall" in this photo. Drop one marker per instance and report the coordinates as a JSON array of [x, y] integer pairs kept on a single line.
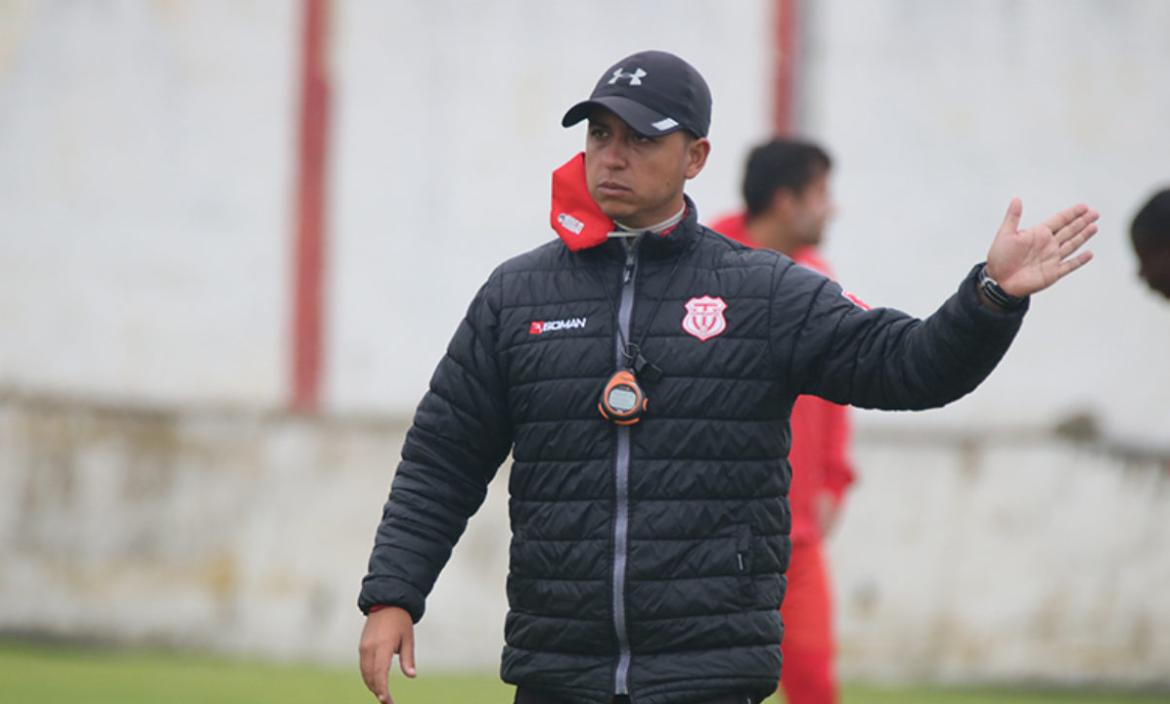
[[975, 556]]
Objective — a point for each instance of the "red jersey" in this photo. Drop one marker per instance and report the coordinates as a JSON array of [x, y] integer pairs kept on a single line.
[[820, 429]]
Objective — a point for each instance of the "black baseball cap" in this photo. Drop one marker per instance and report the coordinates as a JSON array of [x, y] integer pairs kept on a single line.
[[654, 92]]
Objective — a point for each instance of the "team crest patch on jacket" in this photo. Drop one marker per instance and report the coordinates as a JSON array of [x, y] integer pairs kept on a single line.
[[704, 318]]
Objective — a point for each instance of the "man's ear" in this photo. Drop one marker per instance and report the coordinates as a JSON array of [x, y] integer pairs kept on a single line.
[[697, 152], [783, 202]]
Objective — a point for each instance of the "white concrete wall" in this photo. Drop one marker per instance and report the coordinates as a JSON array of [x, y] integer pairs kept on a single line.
[[237, 532], [939, 113], [1002, 557], [145, 156]]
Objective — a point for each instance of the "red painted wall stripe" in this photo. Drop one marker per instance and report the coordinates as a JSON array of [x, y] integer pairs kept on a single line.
[[312, 162], [785, 51]]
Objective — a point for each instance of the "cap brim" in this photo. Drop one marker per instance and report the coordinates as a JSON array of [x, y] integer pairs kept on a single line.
[[640, 118]]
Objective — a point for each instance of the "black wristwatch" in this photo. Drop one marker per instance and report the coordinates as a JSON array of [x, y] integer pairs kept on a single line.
[[995, 292]]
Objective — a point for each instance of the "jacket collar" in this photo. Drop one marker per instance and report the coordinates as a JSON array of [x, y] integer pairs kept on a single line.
[[655, 246], [678, 238]]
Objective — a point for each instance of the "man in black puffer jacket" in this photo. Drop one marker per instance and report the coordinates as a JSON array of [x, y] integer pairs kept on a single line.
[[642, 380]]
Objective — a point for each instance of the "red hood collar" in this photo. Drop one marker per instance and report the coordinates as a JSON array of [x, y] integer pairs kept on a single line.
[[575, 216], [578, 220]]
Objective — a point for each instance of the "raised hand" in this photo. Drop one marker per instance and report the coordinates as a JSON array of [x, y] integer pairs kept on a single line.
[[1026, 261]]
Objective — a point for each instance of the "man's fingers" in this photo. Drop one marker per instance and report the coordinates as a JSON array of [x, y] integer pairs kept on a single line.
[[381, 666], [1071, 229], [366, 668], [375, 665], [1073, 242], [406, 655], [1011, 219], [388, 632], [1068, 266], [1056, 222]]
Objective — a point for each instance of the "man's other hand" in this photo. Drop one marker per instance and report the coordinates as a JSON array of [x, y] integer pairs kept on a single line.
[[388, 631], [1026, 261]]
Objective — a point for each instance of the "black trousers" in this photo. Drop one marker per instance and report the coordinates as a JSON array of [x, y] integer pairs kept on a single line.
[[531, 696]]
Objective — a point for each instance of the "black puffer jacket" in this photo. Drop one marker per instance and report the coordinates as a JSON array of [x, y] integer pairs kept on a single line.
[[649, 560]]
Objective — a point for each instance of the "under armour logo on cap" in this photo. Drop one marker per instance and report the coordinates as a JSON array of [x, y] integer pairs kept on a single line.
[[676, 98], [635, 77]]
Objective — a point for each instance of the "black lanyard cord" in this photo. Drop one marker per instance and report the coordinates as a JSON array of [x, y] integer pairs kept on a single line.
[[632, 352]]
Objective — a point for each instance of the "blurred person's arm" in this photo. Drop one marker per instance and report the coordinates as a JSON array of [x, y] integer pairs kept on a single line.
[[460, 436], [839, 473]]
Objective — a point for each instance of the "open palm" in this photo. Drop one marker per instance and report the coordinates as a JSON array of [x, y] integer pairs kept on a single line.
[[1030, 260]]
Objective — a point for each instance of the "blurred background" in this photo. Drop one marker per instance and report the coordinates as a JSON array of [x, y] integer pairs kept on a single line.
[[236, 235]]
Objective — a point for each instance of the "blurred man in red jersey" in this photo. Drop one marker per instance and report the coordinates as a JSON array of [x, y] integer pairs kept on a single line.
[[786, 193]]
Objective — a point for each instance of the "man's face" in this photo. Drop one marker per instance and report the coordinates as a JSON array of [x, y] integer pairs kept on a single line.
[[1154, 266], [638, 180], [808, 212]]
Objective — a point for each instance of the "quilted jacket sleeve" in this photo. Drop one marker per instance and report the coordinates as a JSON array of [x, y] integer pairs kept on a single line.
[[883, 358], [459, 437]]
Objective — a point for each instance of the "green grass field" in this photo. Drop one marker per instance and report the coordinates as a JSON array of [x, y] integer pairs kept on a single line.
[[42, 674]]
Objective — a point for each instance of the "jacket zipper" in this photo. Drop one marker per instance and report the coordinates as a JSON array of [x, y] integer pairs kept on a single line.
[[621, 524]]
